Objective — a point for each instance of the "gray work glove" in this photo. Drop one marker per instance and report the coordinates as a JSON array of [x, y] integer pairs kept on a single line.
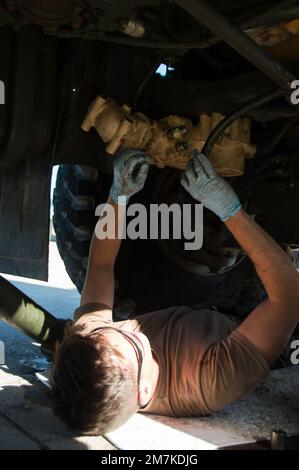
[[204, 184], [130, 172]]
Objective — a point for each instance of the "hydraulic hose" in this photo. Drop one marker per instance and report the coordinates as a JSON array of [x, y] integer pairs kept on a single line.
[[241, 111]]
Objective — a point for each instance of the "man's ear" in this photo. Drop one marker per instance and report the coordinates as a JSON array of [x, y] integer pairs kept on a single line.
[[145, 392]]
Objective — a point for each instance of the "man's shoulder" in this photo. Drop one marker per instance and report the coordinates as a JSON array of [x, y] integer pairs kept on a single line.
[[177, 317], [90, 308], [177, 312], [90, 316], [162, 313]]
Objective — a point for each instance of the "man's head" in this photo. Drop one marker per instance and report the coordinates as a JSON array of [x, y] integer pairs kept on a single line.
[[99, 380]]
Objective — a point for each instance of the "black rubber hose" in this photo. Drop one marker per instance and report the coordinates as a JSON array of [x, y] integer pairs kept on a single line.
[[241, 111], [218, 24]]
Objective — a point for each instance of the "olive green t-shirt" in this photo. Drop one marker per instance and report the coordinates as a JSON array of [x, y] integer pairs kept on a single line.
[[203, 363]]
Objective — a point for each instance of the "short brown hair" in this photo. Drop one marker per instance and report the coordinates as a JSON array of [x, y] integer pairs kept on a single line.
[[92, 383]]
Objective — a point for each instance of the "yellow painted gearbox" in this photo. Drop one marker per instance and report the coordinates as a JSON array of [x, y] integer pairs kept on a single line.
[[169, 142]]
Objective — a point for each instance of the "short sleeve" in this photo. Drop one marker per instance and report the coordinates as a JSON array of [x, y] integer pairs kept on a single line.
[[230, 370]]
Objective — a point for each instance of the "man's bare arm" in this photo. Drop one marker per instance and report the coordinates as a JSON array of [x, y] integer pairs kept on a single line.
[[130, 172], [270, 325], [99, 281]]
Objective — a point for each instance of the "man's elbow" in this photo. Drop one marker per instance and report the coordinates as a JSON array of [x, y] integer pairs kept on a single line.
[[287, 294], [288, 302]]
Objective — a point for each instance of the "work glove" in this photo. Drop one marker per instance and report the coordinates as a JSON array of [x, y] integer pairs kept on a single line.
[[205, 185], [130, 172]]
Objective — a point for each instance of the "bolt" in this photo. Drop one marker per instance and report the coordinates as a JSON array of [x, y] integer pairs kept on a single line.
[[181, 146]]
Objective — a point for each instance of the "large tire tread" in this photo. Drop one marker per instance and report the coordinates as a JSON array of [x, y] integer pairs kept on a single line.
[[74, 207]]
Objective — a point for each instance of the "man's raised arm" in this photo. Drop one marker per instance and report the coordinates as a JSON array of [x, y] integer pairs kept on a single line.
[[270, 324], [130, 171]]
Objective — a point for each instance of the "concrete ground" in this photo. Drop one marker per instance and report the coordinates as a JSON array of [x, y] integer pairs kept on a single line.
[[27, 422]]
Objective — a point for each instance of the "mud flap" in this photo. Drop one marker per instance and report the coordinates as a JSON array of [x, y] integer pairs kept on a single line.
[[24, 218]]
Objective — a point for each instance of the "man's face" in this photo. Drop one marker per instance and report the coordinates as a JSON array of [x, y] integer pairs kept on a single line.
[[136, 349]]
